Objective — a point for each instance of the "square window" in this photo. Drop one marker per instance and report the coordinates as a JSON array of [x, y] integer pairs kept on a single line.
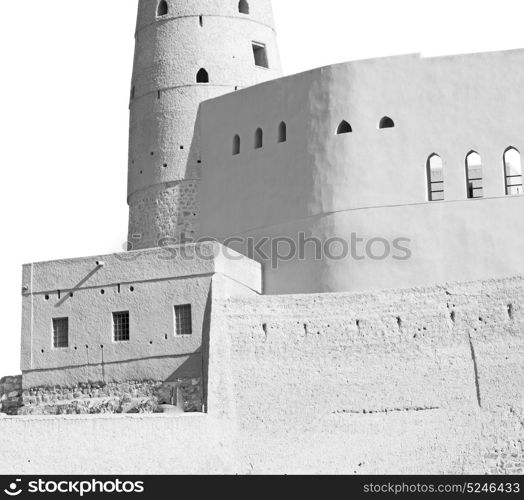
[[60, 333], [183, 320], [121, 326], [260, 53]]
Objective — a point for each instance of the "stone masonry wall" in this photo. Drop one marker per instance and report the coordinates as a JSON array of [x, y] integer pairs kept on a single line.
[[168, 214], [129, 397], [10, 394], [425, 380]]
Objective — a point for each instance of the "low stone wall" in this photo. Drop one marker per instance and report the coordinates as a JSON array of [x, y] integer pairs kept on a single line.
[[10, 394], [97, 398]]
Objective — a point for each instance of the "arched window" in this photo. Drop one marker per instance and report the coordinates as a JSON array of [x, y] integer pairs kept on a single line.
[[162, 8], [202, 76], [236, 145], [282, 132], [259, 138], [344, 128], [243, 7], [386, 122], [474, 182], [513, 171], [435, 176]]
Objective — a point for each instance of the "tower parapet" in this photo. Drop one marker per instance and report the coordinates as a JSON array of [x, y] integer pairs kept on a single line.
[[186, 52]]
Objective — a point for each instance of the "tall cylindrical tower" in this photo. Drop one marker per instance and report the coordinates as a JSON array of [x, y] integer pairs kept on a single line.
[[187, 51]]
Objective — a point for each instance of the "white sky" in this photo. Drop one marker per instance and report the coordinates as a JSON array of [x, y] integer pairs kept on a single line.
[[64, 87]]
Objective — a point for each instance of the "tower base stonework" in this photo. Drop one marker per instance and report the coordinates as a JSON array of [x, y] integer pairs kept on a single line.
[[164, 215]]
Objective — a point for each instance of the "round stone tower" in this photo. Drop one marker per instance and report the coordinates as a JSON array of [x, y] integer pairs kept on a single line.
[[187, 51]]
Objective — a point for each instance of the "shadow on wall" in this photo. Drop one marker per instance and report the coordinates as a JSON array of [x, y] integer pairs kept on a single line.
[[206, 329], [183, 390], [64, 295], [187, 213], [186, 369], [69, 293]]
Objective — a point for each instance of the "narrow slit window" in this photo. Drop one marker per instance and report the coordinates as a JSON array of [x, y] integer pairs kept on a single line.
[[259, 138], [243, 7], [162, 8], [513, 172], [344, 128], [60, 333], [282, 132], [132, 92], [183, 320], [201, 21], [435, 176], [474, 180], [202, 76], [260, 54], [386, 122], [236, 145], [121, 326]]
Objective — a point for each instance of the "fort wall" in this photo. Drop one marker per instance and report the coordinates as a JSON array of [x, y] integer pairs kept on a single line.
[[415, 381], [423, 380], [371, 181]]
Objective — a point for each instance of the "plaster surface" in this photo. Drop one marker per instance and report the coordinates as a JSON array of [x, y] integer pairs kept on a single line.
[[115, 444], [148, 284], [415, 381], [418, 381], [371, 182]]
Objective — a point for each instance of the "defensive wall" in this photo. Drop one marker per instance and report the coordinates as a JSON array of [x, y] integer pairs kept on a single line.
[[353, 159], [416, 380], [421, 380]]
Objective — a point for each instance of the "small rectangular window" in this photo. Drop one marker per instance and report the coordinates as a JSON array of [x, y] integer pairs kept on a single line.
[[260, 53], [183, 320], [60, 333], [121, 326]]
